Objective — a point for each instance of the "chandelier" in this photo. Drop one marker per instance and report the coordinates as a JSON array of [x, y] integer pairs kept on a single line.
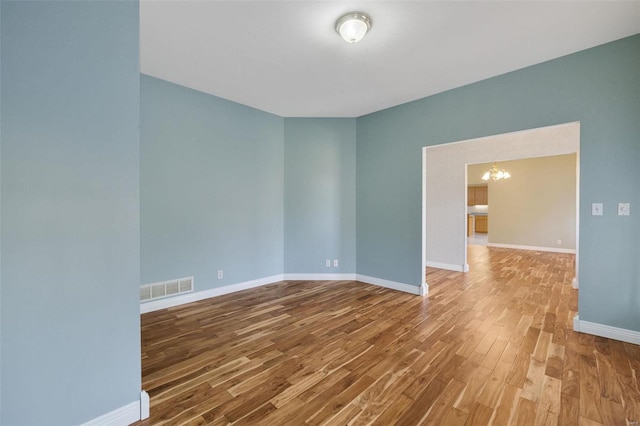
[[494, 173]]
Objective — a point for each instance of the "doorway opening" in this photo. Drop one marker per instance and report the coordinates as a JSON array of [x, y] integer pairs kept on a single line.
[[533, 209], [444, 194]]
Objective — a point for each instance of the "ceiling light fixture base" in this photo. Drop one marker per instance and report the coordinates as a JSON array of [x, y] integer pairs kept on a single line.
[[353, 26]]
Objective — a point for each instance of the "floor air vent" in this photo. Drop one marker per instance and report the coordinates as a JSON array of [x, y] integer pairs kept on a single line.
[[165, 289]]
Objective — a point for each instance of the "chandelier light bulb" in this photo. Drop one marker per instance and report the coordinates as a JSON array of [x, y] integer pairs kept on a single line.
[[494, 173]]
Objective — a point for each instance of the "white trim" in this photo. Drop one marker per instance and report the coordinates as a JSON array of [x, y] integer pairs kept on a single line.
[[126, 415], [534, 248], [576, 323], [622, 334], [319, 277], [155, 305], [205, 294], [144, 405], [407, 288], [577, 259], [448, 266], [424, 288]]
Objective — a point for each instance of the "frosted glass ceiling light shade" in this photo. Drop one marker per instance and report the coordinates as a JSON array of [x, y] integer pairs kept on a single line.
[[353, 26], [494, 173]]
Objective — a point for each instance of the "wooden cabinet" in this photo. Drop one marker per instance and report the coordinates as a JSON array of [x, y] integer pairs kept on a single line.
[[469, 225], [477, 195], [482, 195], [482, 224]]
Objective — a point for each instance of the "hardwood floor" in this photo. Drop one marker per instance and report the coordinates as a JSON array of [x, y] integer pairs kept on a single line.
[[493, 346]]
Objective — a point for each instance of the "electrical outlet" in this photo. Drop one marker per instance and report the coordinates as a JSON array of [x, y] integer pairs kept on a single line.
[[335, 263], [327, 263], [220, 274], [559, 242]]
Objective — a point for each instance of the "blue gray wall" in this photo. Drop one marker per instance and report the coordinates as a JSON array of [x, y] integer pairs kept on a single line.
[[222, 188], [1, 333], [225, 186], [320, 186], [599, 87], [212, 191], [70, 210]]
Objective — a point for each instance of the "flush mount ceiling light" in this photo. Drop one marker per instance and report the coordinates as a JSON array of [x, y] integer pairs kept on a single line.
[[494, 173], [353, 26]]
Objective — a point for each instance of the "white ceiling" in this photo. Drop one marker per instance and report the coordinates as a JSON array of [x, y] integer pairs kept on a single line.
[[285, 57]]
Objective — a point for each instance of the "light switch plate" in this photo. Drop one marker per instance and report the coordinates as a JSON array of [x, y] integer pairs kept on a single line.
[[624, 209], [596, 209]]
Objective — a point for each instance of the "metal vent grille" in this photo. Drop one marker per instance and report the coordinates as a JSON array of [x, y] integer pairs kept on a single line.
[[165, 289]]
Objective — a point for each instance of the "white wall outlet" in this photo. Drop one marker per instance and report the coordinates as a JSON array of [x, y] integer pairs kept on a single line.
[[335, 263], [596, 209], [559, 242], [327, 263], [624, 209], [220, 274]]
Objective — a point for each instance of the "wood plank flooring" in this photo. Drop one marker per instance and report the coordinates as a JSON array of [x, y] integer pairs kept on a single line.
[[493, 346]]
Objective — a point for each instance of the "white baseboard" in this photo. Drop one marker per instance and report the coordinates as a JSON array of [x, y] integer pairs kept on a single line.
[[576, 323], [205, 294], [144, 405], [534, 248], [448, 266], [319, 277], [608, 331], [424, 289], [126, 415], [155, 305], [407, 288]]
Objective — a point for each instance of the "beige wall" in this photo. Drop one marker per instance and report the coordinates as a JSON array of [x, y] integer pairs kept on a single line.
[[475, 172], [536, 206]]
